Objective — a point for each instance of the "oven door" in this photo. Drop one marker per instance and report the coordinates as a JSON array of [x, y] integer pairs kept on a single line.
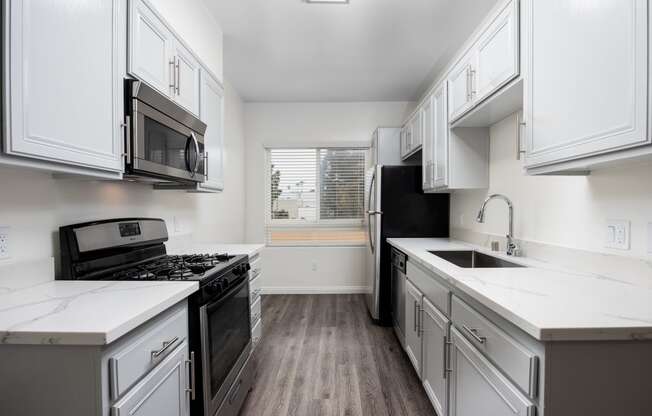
[[226, 343], [165, 148]]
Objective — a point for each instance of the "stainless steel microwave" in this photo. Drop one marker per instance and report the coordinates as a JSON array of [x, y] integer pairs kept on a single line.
[[164, 142]]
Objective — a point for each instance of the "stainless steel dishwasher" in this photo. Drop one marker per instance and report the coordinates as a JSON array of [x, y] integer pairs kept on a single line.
[[399, 261]]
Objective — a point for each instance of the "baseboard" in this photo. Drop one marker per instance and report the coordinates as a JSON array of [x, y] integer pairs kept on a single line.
[[313, 290]]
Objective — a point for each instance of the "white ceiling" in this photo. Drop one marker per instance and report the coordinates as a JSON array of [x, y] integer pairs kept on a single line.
[[367, 50]]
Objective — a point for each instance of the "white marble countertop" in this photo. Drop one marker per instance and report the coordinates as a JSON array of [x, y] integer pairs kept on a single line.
[[545, 301], [38, 310], [196, 248]]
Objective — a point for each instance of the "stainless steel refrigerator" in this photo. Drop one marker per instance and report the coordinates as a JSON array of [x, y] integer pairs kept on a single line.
[[395, 207]]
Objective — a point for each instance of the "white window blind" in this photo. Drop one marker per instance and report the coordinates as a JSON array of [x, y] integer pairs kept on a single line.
[[315, 196]]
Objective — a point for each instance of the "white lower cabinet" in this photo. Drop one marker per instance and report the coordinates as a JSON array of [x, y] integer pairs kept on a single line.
[[163, 392], [478, 388], [434, 371], [413, 298]]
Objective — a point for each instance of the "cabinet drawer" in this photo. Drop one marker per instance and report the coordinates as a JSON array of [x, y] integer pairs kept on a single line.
[[257, 333], [255, 311], [254, 289], [162, 392], [516, 361], [478, 388], [256, 267], [146, 351], [433, 290]]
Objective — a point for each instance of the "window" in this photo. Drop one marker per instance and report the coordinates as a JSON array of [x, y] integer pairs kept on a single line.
[[315, 196]]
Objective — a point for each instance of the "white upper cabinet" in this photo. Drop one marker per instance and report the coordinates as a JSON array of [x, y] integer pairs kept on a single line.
[[412, 135], [497, 57], [212, 113], [151, 57], [63, 82], [489, 64], [440, 137], [186, 78], [158, 57], [428, 161], [587, 89], [459, 87]]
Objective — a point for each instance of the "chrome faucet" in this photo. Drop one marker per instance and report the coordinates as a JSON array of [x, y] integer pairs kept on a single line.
[[512, 247]]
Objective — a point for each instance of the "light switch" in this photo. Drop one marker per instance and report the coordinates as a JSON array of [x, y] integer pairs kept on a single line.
[[617, 234]]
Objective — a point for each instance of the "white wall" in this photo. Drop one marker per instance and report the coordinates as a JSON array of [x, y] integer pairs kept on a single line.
[[307, 269], [563, 211], [34, 204]]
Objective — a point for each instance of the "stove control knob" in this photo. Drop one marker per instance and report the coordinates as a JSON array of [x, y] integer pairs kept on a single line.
[[214, 287]]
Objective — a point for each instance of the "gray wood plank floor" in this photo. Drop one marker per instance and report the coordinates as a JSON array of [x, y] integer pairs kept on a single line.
[[321, 355]]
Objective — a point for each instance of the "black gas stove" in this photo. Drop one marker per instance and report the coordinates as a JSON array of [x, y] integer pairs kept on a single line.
[[184, 267], [219, 317]]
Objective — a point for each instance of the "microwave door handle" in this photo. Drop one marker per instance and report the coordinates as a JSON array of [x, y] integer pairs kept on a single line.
[[197, 158], [187, 154]]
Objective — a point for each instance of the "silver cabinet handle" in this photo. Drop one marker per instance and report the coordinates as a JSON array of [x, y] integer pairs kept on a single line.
[[447, 349], [474, 333], [473, 91], [173, 76], [191, 362], [415, 316], [166, 346], [178, 76], [420, 322]]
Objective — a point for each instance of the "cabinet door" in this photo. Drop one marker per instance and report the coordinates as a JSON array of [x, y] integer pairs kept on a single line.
[[418, 130], [459, 87], [212, 113], [497, 54], [587, 79], [434, 357], [478, 388], [151, 48], [162, 392], [186, 81], [64, 82], [427, 146], [409, 135], [412, 325], [440, 137]]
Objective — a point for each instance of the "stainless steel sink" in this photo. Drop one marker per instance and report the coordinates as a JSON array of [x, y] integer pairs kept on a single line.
[[473, 259]]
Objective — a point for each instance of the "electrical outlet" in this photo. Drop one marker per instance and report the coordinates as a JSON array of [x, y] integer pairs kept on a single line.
[[4, 242], [618, 232], [314, 266]]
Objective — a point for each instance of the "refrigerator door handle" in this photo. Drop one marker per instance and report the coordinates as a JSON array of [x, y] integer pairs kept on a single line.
[[370, 213]]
